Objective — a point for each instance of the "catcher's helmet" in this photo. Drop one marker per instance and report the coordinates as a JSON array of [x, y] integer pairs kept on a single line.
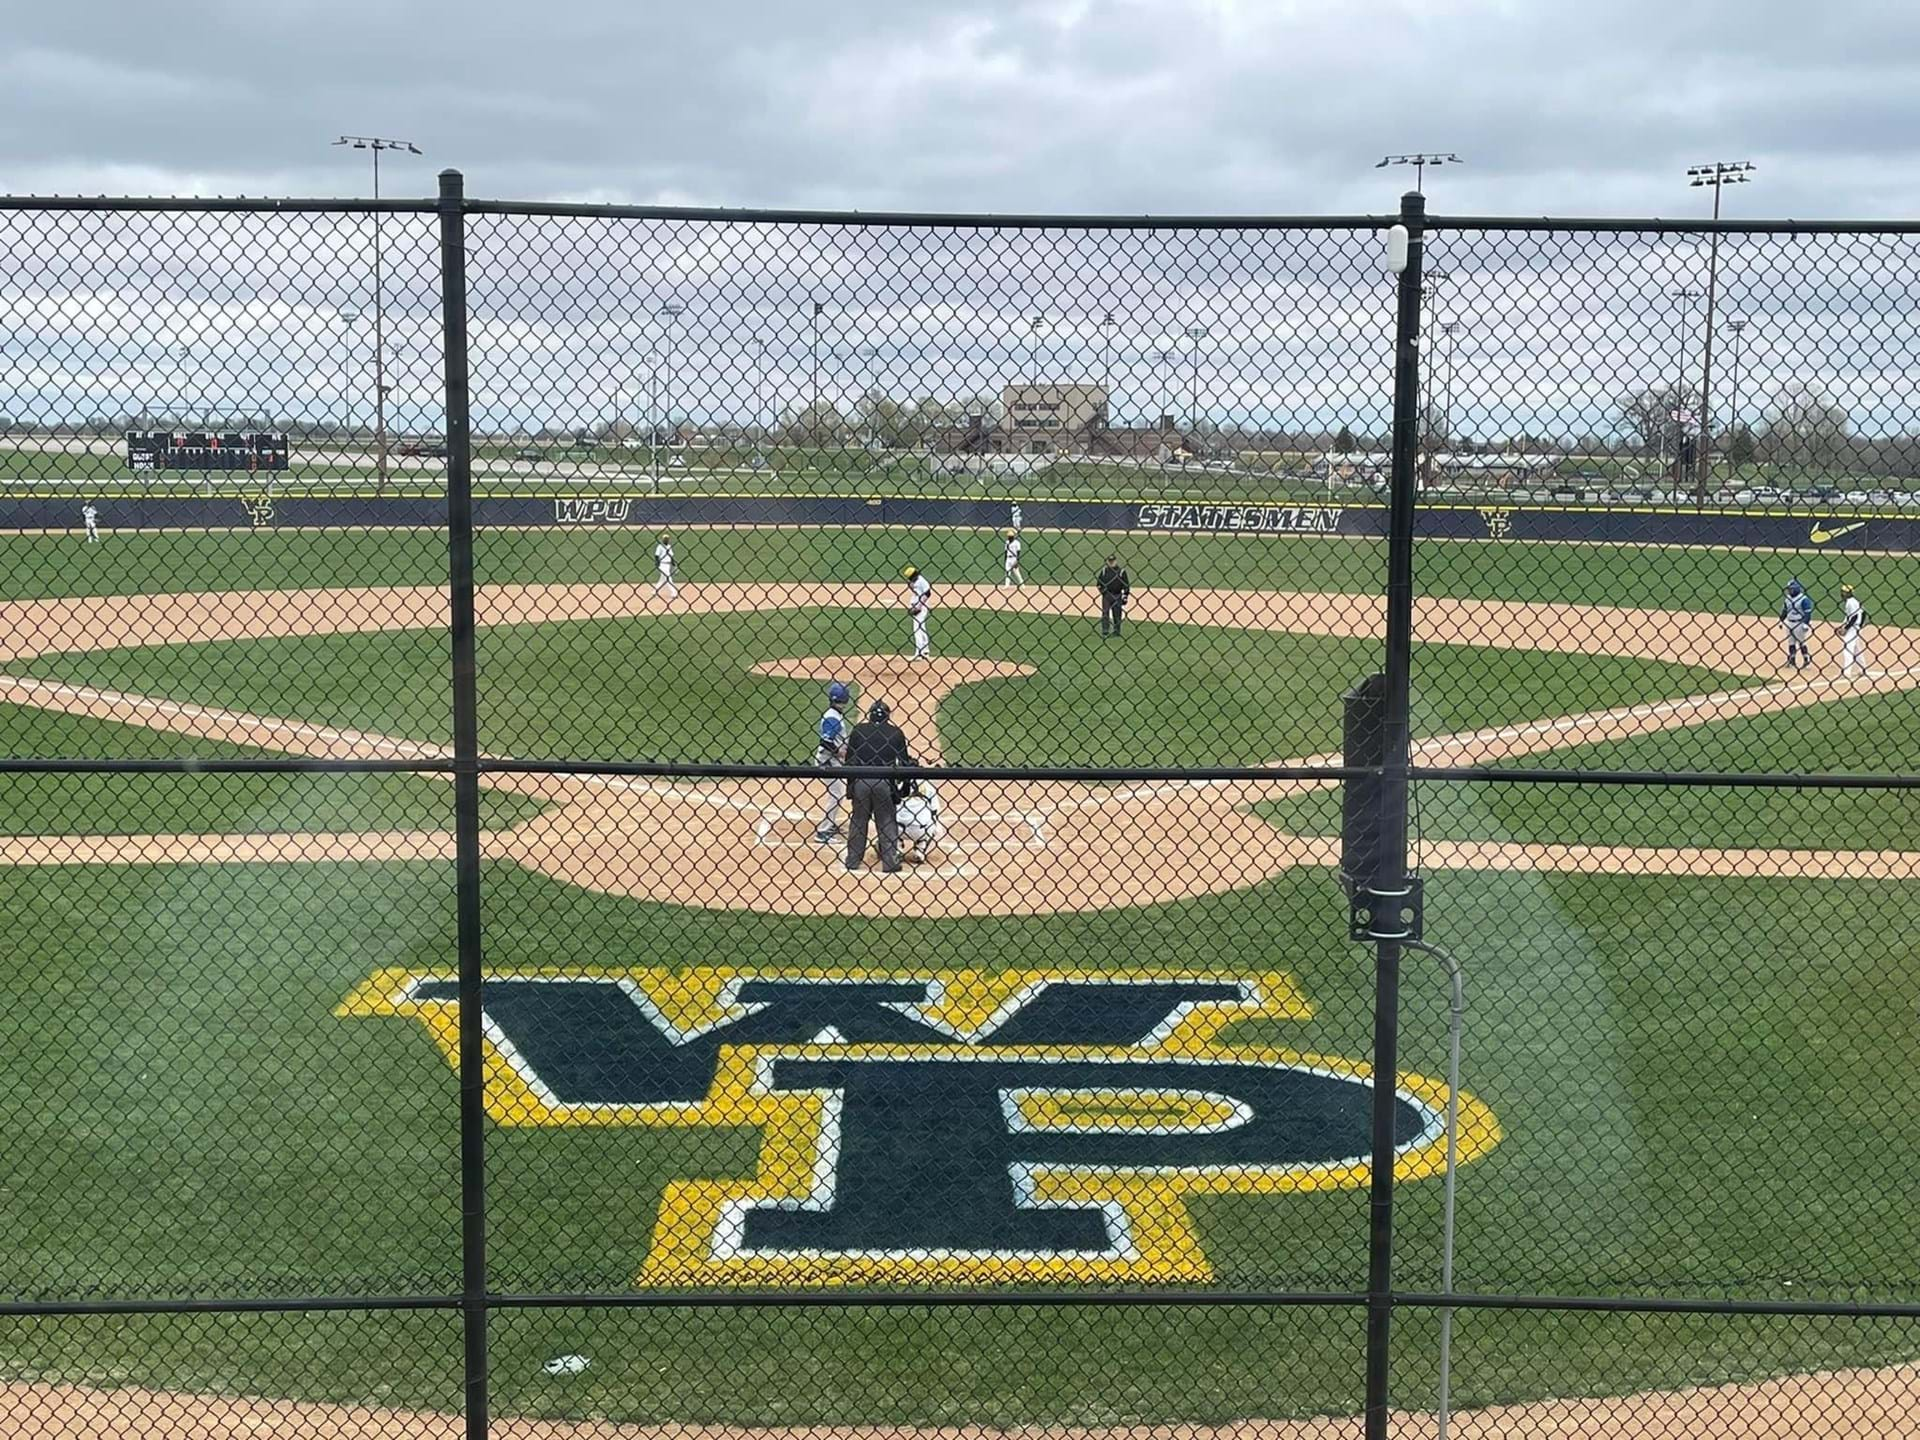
[[838, 693], [1793, 587], [878, 712]]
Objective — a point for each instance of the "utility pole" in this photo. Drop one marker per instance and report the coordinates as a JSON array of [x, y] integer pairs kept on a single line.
[[1717, 176], [376, 145], [1739, 328]]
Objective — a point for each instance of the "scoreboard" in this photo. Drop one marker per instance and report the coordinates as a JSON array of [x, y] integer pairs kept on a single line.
[[206, 450]]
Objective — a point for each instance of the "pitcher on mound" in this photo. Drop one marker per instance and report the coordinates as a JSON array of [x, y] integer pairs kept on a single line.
[[919, 601]]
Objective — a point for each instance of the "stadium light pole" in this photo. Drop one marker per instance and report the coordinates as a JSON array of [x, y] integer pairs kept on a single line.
[[819, 308], [1739, 328], [1430, 302], [669, 311], [1164, 359], [1195, 334], [1684, 299], [1107, 322], [376, 145], [1447, 330], [763, 422], [1420, 160], [346, 320], [1716, 176]]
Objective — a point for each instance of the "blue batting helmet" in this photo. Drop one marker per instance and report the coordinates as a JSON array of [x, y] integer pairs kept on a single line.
[[838, 693]]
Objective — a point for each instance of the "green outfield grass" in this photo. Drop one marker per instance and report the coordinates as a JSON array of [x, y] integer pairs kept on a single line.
[[1704, 1085]]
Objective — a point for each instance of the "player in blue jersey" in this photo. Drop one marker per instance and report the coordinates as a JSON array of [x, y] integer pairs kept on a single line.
[[1796, 618], [830, 753]]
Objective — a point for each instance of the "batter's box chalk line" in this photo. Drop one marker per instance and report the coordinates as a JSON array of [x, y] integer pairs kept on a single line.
[[1036, 838]]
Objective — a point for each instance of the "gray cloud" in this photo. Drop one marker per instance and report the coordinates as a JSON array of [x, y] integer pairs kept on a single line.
[[1103, 105]]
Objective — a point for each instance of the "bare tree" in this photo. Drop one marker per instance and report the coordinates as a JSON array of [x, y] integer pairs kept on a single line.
[[818, 425], [1648, 416], [884, 420], [1806, 427]]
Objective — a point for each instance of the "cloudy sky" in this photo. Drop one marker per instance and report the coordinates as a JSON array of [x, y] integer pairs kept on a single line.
[[1168, 106]]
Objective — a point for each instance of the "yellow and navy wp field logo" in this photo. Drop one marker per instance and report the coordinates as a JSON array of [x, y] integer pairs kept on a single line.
[[920, 1126]]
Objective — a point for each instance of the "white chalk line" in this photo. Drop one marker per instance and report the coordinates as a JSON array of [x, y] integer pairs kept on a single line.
[[185, 710], [1829, 687]]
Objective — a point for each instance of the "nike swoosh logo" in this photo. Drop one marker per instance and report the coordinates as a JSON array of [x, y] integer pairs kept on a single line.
[[1820, 535]]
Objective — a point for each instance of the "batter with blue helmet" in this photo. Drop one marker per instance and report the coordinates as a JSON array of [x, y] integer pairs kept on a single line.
[[1796, 618], [830, 753]]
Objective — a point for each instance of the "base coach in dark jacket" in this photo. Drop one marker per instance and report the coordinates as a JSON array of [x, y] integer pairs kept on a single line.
[[1114, 590], [875, 741]]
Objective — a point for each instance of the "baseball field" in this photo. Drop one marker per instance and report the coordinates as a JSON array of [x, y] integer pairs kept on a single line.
[[1688, 1057]]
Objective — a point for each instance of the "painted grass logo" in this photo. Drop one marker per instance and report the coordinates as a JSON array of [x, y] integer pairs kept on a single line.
[[916, 1126]]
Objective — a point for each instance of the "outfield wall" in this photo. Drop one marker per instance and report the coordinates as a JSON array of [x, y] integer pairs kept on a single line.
[[1640, 525]]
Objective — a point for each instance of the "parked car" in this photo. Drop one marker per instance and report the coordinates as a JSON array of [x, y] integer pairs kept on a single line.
[[1856, 497], [528, 452]]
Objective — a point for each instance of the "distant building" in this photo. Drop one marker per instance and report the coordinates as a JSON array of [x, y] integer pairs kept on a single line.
[[1042, 418]]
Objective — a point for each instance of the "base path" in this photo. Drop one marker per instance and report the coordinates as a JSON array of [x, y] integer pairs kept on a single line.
[[1011, 848]]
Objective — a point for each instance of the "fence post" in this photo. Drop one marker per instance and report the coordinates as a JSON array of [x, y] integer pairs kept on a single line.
[[1385, 928], [466, 801]]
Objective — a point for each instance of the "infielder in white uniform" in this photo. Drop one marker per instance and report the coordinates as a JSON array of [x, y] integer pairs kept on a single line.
[[90, 517], [1013, 575], [919, 601], [663, 558], [1853, 619], [917, 814]]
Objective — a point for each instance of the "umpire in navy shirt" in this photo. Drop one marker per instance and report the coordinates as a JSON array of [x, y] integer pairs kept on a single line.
[[876, 741], [1115, 588]]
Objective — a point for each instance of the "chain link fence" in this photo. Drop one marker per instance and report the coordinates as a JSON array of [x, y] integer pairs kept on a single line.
[[732, 823]]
